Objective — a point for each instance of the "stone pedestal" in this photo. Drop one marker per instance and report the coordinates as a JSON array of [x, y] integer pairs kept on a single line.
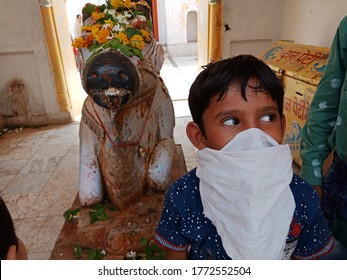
[[122, 232]]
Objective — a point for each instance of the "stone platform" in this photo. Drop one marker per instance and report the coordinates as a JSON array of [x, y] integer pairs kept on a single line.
[[122, 232]]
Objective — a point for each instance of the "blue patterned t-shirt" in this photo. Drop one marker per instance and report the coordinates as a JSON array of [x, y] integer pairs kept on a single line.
[[183, 226]]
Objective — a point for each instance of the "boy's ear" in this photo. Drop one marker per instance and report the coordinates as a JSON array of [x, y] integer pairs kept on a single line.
[[195, 135], [12, 253]]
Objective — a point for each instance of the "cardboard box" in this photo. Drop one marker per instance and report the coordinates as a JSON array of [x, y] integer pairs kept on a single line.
[[300, 68]]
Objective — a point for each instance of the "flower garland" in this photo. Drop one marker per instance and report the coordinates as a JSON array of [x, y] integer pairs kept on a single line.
[[116, 25]]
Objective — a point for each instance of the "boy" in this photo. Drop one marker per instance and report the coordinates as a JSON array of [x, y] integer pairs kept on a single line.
[[242, 201], [11, 247]]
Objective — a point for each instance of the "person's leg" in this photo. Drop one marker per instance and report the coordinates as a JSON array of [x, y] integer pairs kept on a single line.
[[339, 252], [334, 205], [333, 187]]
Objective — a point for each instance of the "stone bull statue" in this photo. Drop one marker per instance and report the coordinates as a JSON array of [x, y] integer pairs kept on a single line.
[[126, 131]]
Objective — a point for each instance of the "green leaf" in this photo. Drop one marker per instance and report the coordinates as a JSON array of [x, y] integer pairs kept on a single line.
[[107, 44], [137, 12], [138, 53], [103, 216], [92, 218], [77, 251], [149, 24], [130, 32], [98, 207], [125, 50], [88, 8], [94, 254], [91, 254], [93, 46], [102, 8], [112, 208], [143, 241], [67, 215], [97, 214]]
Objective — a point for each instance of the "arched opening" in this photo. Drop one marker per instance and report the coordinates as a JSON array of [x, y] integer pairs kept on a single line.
[[192, 26]]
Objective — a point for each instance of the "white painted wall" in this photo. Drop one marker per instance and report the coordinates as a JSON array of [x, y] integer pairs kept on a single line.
[[253, 25], [25, 62], [311, 22], [24, 58], [173, 14]]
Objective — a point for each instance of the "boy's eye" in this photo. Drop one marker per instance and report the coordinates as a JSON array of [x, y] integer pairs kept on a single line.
[[267, 118], [231, 121]]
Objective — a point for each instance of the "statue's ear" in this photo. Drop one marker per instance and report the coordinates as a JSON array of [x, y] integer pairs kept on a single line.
[[87, 11], [145, 9], [158, 57]]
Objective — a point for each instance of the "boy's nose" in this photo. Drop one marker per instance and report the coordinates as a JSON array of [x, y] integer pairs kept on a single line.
[[249, 124]]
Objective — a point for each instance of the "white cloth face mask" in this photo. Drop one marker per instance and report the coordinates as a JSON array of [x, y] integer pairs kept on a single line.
[[245, 192]]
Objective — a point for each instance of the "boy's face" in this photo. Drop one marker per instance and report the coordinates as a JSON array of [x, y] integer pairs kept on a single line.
[[224, 119]]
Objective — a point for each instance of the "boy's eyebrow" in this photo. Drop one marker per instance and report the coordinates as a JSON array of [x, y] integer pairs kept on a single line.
[[234, 112], [269, 108], [227, 113]]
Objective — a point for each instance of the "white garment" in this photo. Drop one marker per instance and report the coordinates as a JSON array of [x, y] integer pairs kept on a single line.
[[245, 193], [77, 29]]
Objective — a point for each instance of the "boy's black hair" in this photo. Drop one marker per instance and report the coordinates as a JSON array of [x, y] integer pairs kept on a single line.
[[216, 78], [8, 235]]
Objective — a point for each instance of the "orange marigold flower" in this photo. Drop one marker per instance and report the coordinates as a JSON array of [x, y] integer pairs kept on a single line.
[[127, 3], [121, 3], [145, 35], [137, 42], [95, 29], [116, 3], [88, 41], [101, 37], [78, 42], [123, 38], [86, 28], [97, 16]]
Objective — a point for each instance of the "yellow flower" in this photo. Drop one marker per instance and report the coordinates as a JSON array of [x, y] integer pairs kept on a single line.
[[95, 29], [121, 3], [123, 38], [86, 28], [113, 24], [115, 3], [145, 35], [110, 23], [127, 3], [97, 16], [137, 42], [101, 37], [78, 42]]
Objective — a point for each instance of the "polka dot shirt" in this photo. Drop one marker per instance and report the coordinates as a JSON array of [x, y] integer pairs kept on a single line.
[[183, 225]]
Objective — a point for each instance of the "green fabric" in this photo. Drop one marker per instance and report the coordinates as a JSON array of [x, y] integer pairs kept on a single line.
[[326, 126], [339, 231]]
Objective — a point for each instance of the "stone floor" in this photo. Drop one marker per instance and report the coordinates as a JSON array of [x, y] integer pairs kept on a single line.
[[39, 166]]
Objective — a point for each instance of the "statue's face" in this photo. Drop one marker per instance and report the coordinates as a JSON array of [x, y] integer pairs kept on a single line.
[[110, 79]]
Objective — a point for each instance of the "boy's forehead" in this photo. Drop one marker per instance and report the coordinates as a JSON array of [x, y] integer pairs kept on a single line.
[[251, 82], [253, 86]]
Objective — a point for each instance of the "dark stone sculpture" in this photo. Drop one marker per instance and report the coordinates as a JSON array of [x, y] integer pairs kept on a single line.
[[126, 132]]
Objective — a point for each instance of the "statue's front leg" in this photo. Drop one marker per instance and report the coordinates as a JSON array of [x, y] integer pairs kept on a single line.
[[160, 167], [91, 189]]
